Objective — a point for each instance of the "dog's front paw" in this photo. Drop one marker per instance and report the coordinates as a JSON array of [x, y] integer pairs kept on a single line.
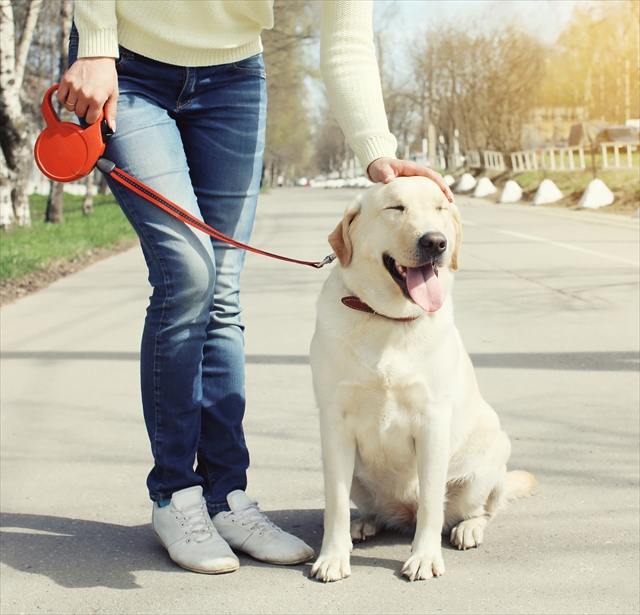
[[426, 566], [331, 567], [468, 534]]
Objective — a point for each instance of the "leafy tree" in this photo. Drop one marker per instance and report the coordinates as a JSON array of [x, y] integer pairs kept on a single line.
[[595, 62]]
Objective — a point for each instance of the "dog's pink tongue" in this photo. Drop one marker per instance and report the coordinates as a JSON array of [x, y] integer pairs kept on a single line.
[[425, 288]]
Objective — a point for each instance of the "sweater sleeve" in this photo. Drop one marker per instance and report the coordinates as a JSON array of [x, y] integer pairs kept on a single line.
[[350, 72], [98, 28]]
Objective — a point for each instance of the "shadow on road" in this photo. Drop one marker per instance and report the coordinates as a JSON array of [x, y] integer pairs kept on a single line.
[[622, 361], [77, 553]]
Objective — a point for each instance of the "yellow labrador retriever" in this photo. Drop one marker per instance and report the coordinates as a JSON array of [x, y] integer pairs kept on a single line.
[[405, 432]]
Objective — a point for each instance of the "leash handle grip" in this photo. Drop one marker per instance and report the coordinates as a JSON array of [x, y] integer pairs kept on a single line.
[[65, 151], [48, 112]]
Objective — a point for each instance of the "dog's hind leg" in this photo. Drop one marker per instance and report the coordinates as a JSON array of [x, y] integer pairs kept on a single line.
[[363, 528], [472, 509], [474, 500], [367, 525]]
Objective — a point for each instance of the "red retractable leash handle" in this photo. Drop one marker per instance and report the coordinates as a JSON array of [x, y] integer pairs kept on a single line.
[[66, 152]]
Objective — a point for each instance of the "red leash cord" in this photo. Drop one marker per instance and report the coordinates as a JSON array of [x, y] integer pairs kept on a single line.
[[65, 152], [106, 167]]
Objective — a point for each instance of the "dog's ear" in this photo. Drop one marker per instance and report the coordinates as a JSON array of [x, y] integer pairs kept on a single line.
[[457, 224], [339, 239]]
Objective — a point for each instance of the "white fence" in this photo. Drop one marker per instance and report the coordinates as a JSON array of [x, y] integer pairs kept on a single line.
[[630, 147], [569, 153], [555, 158], [493, 160], [524, 161]]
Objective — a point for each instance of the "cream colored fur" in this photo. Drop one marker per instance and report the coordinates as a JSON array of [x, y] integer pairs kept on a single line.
[[405, 432]]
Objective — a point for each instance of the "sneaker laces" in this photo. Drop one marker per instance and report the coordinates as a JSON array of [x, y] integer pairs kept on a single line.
[[250, 515], [196, 521]]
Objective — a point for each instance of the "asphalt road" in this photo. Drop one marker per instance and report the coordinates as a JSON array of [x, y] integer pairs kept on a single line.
[[547, 303]]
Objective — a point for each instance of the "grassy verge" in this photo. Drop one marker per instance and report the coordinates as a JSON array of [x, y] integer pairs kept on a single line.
[[24, 251]]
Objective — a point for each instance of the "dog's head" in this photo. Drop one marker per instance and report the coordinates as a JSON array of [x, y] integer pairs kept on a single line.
[[398, 245]]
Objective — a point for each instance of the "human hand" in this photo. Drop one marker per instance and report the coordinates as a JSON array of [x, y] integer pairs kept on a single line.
[[387, 169], [90, 85]]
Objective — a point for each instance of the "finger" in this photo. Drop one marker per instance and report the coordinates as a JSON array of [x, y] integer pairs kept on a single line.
[[387, 173], [411, 168], [408, 168], [110, 111], [436, 177], [63, 92], [93, 113], [82, 107]]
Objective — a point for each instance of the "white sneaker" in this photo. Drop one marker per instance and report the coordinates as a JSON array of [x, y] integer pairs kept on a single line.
[[184, 528], [247, 529]]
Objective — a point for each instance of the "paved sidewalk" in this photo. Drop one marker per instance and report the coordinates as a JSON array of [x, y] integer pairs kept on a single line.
[[547, 304]]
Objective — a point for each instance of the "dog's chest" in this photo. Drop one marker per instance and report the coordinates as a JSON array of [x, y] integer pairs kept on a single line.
[[384, 421], [383, 412]]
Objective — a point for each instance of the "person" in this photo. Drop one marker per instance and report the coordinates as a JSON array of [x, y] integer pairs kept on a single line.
[[182, 85]]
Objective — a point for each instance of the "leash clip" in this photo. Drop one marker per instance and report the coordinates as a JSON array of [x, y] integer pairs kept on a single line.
[[326, 261]]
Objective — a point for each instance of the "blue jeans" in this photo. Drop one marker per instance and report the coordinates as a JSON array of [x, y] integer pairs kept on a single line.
[[196, 136]]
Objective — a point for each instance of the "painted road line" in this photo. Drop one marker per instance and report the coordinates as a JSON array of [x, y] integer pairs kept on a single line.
[[558, 244]]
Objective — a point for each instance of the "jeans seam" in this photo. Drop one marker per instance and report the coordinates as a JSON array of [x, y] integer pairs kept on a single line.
[[162, 321]]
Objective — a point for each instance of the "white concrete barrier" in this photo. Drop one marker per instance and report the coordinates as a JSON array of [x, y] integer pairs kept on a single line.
[[547, 192], [449, 180], [512, 193], [596, 195], [467, 182], [484, 187]]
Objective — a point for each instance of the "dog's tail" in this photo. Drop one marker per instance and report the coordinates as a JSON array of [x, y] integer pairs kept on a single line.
[[517, 485]]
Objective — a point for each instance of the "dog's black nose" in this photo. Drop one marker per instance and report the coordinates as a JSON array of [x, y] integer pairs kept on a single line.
[[434, 244]]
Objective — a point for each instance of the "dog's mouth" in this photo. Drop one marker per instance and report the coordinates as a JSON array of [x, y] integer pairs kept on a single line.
[[420, 284]]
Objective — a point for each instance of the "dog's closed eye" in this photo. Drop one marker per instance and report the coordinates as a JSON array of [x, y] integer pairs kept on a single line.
[[397, 207]]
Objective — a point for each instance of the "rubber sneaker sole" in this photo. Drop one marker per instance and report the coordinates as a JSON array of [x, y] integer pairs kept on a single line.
[[221, 571]]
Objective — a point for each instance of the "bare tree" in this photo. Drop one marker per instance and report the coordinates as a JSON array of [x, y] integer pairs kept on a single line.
[[481, 83], [331, 147], [14, 126]]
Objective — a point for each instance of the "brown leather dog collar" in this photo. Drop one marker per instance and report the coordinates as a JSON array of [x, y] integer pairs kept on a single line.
[[355, 304]]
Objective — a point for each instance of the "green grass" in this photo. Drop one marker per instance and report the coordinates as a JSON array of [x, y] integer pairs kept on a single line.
[[26, 250]]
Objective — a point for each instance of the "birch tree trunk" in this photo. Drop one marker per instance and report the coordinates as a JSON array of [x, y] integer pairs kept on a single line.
[[14, 138], [55, 202]]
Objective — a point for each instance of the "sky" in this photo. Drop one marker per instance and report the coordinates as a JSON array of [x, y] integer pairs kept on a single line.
[[541, 18]]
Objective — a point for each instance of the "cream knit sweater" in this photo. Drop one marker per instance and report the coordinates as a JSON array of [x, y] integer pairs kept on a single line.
[[210, 32]]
